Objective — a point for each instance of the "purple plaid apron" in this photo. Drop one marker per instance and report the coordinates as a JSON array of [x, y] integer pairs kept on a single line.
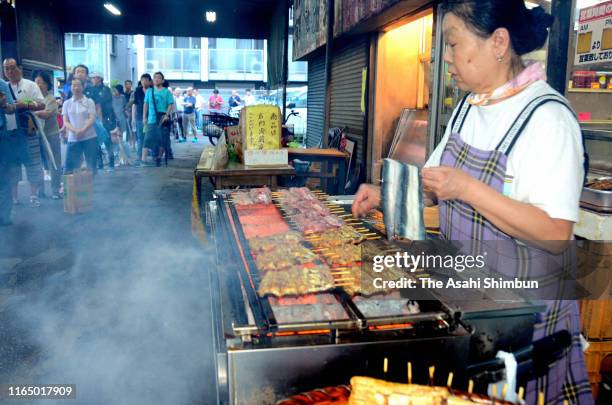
[[566, 378]]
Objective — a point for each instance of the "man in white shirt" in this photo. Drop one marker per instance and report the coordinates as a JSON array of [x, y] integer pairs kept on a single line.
[[249, 98], [28, 98], [179, 103]]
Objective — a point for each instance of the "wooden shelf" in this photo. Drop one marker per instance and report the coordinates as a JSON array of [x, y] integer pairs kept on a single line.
[[597, 122], [604, 91]]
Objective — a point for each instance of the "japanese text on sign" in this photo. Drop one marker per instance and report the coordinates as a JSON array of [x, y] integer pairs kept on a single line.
[[263, 127], [594, 42]]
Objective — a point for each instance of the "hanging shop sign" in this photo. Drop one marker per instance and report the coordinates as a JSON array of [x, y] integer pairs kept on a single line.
[[594, 43]]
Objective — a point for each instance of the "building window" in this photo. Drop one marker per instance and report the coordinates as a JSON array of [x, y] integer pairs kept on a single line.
[[75, 41], [163, 42], [113, 45]]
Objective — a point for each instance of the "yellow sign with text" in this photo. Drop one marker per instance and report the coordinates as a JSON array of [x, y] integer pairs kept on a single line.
[[260, 127]]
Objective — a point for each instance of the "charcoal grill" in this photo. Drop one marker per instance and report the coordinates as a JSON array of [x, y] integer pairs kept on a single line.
[[266, 350]]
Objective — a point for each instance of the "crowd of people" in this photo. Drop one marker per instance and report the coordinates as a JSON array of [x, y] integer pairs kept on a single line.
[[100, 125]]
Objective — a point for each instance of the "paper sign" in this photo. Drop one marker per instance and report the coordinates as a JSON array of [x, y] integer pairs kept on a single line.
[[594, 43], [270, 157], [261, 127], [584, 116]]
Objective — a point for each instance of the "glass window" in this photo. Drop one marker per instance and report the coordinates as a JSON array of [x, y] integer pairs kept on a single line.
[[163, 42], [195, 43], [182, 42], [244, 44]]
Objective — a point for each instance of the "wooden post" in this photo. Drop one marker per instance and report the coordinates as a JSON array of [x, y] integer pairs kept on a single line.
[[285, 60], [328, 66]]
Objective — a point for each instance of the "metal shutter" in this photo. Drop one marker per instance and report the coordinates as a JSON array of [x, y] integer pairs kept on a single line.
[[316, 101], [345, 107]]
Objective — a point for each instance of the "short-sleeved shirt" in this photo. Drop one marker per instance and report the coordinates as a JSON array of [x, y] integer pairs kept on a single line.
[[137, 98], [545, 166], [7, 121], [78, 112], [234, 101], [101, 95], [163, 99], [179, 102], [215, 102], [28, 90], [189, 100], [51, 126]]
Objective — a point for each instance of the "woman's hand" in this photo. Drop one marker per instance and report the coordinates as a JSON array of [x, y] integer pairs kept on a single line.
[[447, 183], [366, 199]]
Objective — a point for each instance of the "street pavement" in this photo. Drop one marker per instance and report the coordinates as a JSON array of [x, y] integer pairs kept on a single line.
[[115, 301]]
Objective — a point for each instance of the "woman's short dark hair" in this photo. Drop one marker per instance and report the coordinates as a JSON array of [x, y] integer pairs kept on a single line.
[[161, 74], [81, 66], [45, 78], [528, 28]]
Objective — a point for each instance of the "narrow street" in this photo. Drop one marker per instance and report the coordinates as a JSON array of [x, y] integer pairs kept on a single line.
[[114, 301]]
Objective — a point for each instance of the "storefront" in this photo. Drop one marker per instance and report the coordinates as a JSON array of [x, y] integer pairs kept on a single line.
[[291, 306]]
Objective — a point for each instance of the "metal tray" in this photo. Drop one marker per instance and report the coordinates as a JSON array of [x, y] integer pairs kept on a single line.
[[597, 198]]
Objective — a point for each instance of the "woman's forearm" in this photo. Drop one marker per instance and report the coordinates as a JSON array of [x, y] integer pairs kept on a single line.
[[520, 220]]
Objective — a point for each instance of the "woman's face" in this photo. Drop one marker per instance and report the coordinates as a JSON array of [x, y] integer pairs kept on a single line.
[[145, 82], [471, 59], [41, 84], [158, 80]]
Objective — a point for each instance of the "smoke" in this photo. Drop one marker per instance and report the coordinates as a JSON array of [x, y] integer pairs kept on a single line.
[[128, 320]]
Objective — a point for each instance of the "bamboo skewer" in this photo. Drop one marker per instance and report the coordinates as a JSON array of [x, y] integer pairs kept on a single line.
[[409, 373], [494, 391], [540, 398], [449, 380], [521, 393], [432, 371], [470, 387], [504, 391], [385, 365]]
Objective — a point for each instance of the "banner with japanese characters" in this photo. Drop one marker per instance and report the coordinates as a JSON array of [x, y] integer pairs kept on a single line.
[[594, 42], [261, 127]]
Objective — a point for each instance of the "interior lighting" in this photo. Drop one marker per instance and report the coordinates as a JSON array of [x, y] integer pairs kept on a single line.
[[211, 16], [112, 9]]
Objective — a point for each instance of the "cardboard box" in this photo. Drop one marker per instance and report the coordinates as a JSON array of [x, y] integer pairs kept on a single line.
[[260, 127], [78, 192]]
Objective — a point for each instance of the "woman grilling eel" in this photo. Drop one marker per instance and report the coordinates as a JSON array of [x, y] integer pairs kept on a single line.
[[510, 165]]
